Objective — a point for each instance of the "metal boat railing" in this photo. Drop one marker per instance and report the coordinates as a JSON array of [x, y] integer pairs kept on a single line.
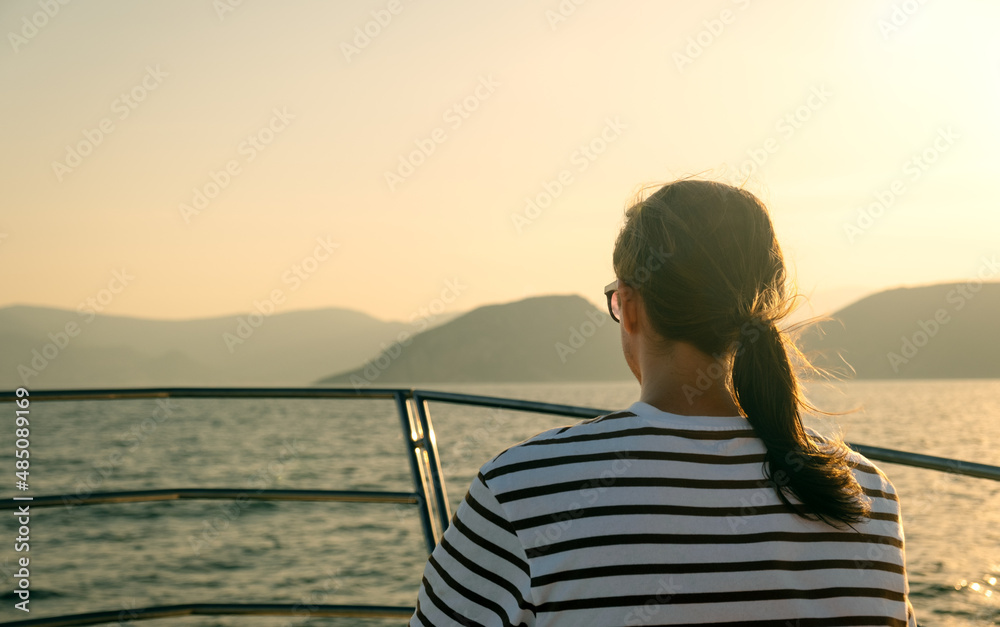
[[429, 495]]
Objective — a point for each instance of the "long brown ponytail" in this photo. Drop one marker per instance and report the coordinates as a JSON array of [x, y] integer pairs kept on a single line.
[[718, 283]]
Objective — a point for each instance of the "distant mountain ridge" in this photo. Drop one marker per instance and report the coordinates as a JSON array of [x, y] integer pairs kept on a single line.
[[930, 332], [935, 331], [56, 348], [565, 338], [545, 338]]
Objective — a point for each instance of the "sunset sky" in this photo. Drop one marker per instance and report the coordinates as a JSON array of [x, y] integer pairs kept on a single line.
[[201, 156]]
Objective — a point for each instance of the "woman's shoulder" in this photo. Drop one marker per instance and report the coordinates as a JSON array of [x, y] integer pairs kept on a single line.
[[872, 479], [871, 476], [868, 472], [858, 461]]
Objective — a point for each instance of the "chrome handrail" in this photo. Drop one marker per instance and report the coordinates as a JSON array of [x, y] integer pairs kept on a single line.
[[145, 496], [430, 495], [297, 610], [930, 462]]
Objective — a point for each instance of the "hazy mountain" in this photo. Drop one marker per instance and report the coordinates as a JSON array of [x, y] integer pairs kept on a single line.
[[291, 348], [564, 338], [547, 338], [929, 332], [937, 331]]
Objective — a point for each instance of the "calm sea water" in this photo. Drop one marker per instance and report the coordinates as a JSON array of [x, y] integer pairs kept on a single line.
[[118, 557]]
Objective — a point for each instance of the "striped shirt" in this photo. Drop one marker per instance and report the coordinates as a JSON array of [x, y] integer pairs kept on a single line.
[[643, 517]]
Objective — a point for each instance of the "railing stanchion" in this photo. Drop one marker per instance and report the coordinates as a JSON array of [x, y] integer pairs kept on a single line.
[[416, 469], [433, 461]]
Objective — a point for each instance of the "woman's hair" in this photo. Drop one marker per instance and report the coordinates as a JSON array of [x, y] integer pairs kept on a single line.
[[704, 257]]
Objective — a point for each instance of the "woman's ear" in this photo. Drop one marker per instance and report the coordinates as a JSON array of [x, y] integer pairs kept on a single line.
[[631, 302]]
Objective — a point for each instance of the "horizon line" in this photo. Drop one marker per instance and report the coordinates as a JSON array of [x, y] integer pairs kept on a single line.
[[14, 305]]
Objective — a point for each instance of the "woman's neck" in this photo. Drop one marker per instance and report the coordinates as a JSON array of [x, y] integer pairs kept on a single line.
[[685, 381]]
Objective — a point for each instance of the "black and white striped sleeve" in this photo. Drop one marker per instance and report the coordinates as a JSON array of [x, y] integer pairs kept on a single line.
[[478, 574], [911, 617]]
